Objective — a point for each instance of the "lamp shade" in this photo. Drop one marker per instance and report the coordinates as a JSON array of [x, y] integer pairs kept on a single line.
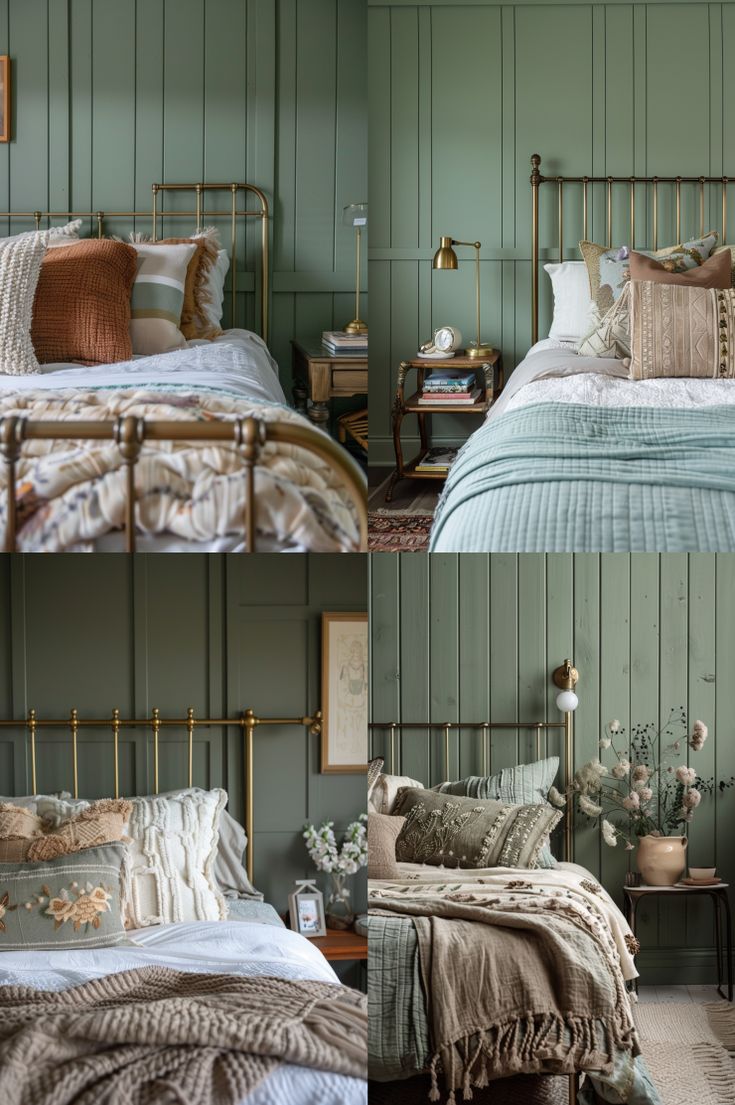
[[567, 701], [355, 215], [445, 257]]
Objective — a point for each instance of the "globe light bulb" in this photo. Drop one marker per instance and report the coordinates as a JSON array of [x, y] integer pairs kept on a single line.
[[566, 701]]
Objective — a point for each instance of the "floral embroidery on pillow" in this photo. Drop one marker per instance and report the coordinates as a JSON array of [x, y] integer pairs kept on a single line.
[[5, 907], [84, 909]]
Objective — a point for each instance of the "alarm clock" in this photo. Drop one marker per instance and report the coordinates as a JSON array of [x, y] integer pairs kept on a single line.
[[446, 341]]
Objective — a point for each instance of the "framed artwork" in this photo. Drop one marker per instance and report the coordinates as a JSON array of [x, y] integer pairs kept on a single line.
[[344, 692], [306, 909], [5, 98]]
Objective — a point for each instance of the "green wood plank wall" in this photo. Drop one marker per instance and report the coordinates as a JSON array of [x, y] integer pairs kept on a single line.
[[112, 95], [464, 638], [213, 632], [461, 94]]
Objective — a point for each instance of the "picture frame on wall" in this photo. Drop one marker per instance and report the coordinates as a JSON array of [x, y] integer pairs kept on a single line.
[[5, 98], [344, 692], [306, 910]]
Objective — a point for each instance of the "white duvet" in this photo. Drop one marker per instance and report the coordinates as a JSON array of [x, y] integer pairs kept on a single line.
[[232, 947], [552, 372]]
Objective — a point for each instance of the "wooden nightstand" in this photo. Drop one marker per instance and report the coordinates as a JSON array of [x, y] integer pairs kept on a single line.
[[489, 375], [633, 895], [320, 376], [341, 944]]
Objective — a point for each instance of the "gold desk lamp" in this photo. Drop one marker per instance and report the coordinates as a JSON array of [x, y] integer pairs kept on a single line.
[[446, 258], [355, 215]]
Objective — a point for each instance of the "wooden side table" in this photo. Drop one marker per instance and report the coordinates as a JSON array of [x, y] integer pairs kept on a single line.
[[632, 895], [320, 376], [340, 944], [489, 376]]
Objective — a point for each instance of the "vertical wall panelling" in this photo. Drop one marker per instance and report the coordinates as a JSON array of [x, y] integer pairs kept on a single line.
[[273, 93], [461, 95], [248, 634], [474, 636]]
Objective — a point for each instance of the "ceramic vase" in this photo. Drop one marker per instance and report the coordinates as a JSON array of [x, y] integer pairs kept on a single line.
[[661, 859]]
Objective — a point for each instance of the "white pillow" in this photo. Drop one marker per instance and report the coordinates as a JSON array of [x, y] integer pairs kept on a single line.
[[572, 300], [386, 790], [65, 235], [172, 849]]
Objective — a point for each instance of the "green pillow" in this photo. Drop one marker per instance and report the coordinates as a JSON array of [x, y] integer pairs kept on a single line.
[[448, 831], [72, 901], [522, 785]]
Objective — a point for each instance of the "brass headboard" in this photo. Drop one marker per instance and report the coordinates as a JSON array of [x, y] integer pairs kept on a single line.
[[612, 185], [247, 721], [565, 677], [157, 215]]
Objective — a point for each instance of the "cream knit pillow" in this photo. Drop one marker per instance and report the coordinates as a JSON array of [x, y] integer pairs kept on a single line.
[[20, 266]]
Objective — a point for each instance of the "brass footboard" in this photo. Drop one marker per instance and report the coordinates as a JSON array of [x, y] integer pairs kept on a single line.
[[130, 433]]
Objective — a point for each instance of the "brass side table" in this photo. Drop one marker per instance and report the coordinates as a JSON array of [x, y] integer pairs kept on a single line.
[[320, 376], [633, 895], [489, 377]]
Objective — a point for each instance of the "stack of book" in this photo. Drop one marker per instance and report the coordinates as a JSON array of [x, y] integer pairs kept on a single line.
[[437, 460], [453, 388], [337, 341]]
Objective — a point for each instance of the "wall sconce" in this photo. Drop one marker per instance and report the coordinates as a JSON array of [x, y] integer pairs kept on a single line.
[[446, 258], [566, 678]]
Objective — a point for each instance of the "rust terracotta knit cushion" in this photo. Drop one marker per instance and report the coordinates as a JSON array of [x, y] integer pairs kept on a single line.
[[101, 823], [81, 312]]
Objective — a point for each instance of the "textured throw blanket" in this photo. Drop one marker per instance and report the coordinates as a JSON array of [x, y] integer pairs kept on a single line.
[[522, 979], [155, 1034], [70, 493], [560, 477]]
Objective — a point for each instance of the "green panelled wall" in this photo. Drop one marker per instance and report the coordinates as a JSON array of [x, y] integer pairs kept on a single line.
[[461, 94], [471, 637], [217, 633], [110, 96]]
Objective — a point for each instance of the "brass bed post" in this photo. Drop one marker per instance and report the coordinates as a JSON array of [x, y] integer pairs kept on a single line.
[[392, 731], [535, 183], [485, 748], [116, 748], [560, 202], [129, 435], [678, 209], [249, 723], [156, 726], [632, 212], [609, 212], [32, 731], [701, 207], [190, 742], [74, 726], [249, 436], [655, 213], [446, 727], [233, 262], [724, 209], [11, 440]]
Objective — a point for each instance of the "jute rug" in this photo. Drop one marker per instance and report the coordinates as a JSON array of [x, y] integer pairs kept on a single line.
[[398, 531], [684, 1046]]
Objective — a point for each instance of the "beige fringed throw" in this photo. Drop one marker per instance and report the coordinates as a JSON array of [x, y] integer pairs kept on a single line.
[[155, 1034], [523, 981]]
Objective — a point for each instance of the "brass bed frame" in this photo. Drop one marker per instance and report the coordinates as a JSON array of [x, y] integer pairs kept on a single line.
[[612, 186], [565, 677], [249, 435], [247, 721]]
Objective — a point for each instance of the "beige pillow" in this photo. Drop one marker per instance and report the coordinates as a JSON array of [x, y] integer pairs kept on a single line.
[[157, 301], [680, 331], [609, 335], [450, 831], [25, 836], [385, 791], [383, 831]]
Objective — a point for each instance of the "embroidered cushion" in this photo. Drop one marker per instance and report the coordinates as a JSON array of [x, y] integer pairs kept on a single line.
[[451, 831], [522, 785], [20, 266], [609, 269], [158, 296], [173, 846], [81, 312], [382, 833], [681, 331], [70, 902]]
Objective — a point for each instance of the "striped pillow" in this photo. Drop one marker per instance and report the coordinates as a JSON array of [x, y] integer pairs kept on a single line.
[[522, 785], [158, 296]]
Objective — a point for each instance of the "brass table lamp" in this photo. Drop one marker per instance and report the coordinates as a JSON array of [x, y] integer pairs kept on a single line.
[[355, 215], [446, 258]]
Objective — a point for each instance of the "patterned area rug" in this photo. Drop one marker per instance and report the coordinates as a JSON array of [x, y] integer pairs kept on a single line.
[[396, 531]]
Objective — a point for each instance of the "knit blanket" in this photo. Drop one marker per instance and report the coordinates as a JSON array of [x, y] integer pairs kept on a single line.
[[167, 1036], [71, 493], [520, 979], [563, 477]]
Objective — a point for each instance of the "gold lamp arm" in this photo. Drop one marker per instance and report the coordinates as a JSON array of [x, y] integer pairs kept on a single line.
[[479, 349]]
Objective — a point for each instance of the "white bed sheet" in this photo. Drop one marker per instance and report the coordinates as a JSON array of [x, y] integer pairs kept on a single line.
[[232, 947]]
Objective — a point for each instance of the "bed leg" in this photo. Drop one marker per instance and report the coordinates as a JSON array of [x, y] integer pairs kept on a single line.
[[573, 1088]]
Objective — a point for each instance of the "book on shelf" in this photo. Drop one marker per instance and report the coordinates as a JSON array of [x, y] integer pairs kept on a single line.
[[337, 339], [459, 380], [450, 398], [438, 460]]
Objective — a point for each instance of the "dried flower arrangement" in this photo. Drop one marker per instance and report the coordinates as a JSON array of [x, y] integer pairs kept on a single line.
[[643, 792]]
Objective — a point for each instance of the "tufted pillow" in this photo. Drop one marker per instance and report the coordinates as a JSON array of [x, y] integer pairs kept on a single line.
[[81, 313]]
